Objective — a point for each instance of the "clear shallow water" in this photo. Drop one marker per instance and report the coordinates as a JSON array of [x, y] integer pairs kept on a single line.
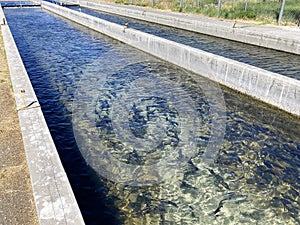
[[271, 60], [254, 178]]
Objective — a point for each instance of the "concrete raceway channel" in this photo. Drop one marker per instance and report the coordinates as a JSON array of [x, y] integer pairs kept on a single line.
[[54, 198]]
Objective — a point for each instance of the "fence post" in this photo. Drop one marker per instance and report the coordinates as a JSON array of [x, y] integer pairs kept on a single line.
[[246, 5], [281, 11], [219, 6]]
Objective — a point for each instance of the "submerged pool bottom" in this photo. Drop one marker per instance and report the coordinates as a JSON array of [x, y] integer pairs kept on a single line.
[[101, 97], [246, 183]]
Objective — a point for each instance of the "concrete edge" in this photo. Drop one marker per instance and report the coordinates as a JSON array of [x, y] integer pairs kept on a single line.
[[274, 89], [53, 195], [208, 27]]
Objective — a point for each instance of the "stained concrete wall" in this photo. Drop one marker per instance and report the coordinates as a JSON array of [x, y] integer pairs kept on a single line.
[[272, 88], [278, 38], [54, 198]]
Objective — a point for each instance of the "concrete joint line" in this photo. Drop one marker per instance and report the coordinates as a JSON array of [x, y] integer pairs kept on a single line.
[[251, 34], [281, 94], [55, 194], [157, 46]]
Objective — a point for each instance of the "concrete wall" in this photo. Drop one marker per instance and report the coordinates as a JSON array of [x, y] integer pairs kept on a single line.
[[272, 88], [280, 38], [54, 198]]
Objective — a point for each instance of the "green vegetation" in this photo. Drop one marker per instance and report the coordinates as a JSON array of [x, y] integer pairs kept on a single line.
[[132, 2], [264, 11]]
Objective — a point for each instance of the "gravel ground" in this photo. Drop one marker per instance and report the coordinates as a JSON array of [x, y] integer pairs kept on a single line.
[[16, 199]]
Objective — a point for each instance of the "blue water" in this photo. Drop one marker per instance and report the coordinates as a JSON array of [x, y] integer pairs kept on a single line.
[[271, 60], [254, 178], [16, 3]]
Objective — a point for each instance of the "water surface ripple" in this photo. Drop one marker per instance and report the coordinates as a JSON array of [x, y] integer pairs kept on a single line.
[[255, 176], [271, 60]]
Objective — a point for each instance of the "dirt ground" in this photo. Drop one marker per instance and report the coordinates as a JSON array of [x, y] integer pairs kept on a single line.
[[16, 199]]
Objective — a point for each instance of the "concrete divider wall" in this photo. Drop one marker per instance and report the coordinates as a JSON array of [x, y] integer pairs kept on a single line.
[[272, 88], [250, 35], [54, 198]]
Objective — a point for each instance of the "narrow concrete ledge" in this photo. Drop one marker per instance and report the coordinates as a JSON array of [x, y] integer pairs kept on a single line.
[[53, 195], [282, 39], [274, 89]]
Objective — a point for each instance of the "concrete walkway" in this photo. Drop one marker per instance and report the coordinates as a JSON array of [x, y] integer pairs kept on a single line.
[[53, 196], [281, 38], [16, 198], [272, 88]]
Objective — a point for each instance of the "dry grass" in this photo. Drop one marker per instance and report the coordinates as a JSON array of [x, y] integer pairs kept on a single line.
[[256, 11]]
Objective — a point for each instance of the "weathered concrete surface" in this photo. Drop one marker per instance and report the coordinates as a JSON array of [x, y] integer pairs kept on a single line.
[[54, 198], [272, 88], [274, 37], [17, 204]]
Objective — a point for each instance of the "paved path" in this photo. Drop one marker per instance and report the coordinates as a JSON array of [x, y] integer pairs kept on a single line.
[[54, 199], [281, 38], [16, 199], [291, 30]]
